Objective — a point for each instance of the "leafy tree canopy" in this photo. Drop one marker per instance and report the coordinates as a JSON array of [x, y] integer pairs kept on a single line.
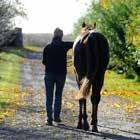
[[119, 21]]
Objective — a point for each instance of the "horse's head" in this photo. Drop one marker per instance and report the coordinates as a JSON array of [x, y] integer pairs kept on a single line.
[[87, 28]]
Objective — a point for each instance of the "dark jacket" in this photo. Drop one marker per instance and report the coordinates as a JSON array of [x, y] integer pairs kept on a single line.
[[55, 56]]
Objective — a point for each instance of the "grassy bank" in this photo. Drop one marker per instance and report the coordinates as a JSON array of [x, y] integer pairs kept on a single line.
[[9, 80], [10, 93], [118, 85]]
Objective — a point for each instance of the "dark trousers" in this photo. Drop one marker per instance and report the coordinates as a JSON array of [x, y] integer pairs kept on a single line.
[[54, 87]]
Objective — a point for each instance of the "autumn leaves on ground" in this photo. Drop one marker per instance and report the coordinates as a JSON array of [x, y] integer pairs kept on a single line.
[[22, 90]]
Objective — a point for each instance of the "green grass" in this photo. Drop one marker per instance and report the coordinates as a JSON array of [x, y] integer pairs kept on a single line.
[[9, 69], [118, 85], [9, 78], [118, 82]]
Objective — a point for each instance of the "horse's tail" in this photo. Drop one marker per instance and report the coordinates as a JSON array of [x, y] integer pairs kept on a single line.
[[84, 89]]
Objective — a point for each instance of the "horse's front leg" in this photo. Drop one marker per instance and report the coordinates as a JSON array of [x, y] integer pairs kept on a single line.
[[79, 126], [85, 122]]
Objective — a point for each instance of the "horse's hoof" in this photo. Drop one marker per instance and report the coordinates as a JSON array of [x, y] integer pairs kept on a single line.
[[86, 126], [79, 126], [94, 129], [93, 122]]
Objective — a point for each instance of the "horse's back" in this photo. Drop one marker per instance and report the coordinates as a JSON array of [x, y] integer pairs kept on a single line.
[[91, 58], [101, 44]]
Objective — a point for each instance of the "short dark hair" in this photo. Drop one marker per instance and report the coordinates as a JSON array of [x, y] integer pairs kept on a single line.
[[58, 32]]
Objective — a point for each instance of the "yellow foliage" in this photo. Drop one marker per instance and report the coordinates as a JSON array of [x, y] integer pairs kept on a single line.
[[129, 108], [104, 3], [137, 40], [128, 93], [117, 105], [70, 105], [12, 98]]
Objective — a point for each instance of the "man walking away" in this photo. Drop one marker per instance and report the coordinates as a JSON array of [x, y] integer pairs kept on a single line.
[[54, 59]]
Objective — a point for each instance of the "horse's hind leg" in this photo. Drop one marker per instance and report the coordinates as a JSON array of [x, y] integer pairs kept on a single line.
[[85, 122], [95, 99], [94, 117], [79, 126], [82, 122]]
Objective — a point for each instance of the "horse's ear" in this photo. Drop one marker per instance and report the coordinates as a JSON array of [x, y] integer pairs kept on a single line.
[[94, 25], [84, 24]]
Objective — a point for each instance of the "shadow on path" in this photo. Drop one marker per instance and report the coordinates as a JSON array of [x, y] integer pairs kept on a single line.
[[134, 133], [33, 133], [100, 134]]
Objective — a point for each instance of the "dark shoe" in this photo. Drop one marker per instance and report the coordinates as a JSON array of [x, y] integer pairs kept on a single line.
[[94, 128], [57, 120], [49, 123]]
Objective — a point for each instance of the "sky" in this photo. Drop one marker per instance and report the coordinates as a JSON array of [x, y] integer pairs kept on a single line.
[[43, 16]]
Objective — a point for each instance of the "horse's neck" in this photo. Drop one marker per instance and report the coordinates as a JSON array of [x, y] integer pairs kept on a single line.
[[92, 31], [78, 38], [82, 36]]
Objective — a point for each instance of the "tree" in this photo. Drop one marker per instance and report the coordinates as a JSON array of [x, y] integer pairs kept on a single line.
[[119, 21], [9, 9]]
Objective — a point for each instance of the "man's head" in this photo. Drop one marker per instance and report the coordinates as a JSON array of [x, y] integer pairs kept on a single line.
[[58, 33]]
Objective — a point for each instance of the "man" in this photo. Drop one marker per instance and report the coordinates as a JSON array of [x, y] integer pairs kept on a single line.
[[54, 59]]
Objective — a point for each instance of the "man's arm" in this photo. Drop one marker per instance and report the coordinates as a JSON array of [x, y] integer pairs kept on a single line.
[[68, 45], [45, 51]]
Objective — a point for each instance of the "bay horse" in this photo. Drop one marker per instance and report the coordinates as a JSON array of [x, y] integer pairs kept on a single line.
[[91, 57]]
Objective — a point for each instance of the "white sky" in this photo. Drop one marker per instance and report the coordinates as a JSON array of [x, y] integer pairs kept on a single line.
[[45, 15]]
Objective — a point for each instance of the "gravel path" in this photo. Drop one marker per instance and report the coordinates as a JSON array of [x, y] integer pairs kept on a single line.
[[29, 121]]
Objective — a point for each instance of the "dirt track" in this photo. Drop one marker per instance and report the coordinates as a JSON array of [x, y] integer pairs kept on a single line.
[[29, 120]]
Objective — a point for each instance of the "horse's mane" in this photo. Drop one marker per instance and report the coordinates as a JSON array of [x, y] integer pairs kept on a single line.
[[85, 30], [87, 27], [85, 83]]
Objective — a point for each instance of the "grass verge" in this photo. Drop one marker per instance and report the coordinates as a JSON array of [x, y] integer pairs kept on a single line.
[[10, 93], [118, 85]]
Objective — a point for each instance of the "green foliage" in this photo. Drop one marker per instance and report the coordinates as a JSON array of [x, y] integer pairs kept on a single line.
[[119, 21]]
